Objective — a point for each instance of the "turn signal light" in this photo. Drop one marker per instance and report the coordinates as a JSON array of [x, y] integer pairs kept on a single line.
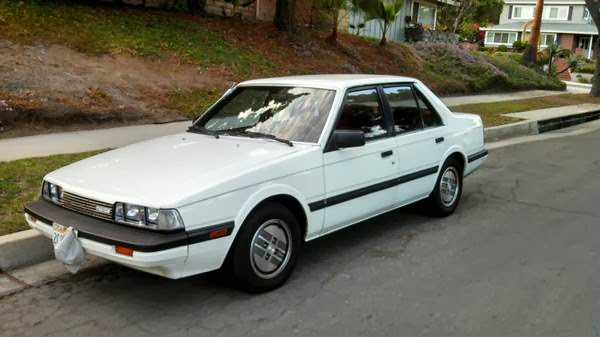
[[124, 250], [217, 233]]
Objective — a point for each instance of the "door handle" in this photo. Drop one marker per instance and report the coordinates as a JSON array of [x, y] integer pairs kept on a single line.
[[386, 153], [439, 140]]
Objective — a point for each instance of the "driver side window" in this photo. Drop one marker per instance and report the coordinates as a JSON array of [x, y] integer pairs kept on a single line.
[[362, 111]]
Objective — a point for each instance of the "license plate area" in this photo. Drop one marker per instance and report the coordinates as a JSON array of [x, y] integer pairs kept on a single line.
[[58, 233]]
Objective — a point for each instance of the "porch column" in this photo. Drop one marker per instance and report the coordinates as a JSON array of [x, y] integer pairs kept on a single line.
[[590, 47]]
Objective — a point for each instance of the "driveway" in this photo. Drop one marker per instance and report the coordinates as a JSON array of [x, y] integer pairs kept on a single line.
[[519, 258]]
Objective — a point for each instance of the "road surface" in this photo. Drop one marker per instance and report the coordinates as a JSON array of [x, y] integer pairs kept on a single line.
[[520, 257]]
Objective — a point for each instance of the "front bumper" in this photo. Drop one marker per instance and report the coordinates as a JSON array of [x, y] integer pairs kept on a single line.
[[158, 253]]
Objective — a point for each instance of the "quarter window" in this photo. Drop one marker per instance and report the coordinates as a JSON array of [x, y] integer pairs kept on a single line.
[[362, 111], [404, 108], [430, 116]]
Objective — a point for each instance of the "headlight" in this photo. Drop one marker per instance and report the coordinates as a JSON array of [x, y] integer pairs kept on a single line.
[[147, 217], [52, 192]]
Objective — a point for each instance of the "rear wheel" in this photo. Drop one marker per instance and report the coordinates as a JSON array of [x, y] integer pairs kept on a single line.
[[266, 249], [448, 188]]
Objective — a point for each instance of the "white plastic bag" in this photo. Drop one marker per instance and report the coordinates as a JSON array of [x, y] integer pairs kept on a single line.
[[69, 251]]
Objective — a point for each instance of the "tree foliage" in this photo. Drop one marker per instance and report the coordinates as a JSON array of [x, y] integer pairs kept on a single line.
[[383, 11], [453, 17]]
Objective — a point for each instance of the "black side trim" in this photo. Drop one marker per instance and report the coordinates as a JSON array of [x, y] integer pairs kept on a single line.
[[477, 155], [347, 196], [203, 234], [114, 234]]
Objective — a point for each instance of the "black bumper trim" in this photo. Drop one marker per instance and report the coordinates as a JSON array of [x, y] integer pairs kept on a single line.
[[114, 234], [477, 155]]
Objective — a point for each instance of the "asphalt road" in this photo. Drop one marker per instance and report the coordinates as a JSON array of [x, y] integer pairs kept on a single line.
[[519, 258]]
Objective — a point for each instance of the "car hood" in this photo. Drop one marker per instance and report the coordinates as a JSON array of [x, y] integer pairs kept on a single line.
[[167, 171]]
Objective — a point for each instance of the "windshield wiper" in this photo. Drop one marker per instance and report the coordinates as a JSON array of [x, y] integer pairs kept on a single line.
[[252, 134], [200, 129]]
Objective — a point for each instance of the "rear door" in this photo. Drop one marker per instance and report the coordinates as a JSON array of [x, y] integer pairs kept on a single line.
[[419, 141]]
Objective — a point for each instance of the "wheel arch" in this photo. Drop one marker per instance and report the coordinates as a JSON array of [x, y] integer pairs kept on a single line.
[[457, 153], [284, 195]]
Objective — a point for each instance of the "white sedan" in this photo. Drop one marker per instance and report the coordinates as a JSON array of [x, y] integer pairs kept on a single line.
[[274, 163]]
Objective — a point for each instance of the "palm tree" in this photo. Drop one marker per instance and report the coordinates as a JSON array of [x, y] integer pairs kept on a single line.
[[334, 9], [529, 55], [383, 11]]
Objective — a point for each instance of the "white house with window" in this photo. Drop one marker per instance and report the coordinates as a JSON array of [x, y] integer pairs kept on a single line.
[[564, 22], [423, 12]]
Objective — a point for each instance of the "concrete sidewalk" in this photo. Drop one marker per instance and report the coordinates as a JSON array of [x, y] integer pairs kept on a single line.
[[81, 141], [508, 96]]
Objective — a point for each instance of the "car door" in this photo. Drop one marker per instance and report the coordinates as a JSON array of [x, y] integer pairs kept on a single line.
[[356, 179], [417, 133]]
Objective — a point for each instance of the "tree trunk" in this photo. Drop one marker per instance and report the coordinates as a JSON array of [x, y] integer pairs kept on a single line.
[[596, 80], [282, 15], [384, 38], [335, 23], [530, 53], [593, 7]]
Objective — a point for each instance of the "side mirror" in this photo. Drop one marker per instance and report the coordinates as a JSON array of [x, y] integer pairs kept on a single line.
[[348, 138]]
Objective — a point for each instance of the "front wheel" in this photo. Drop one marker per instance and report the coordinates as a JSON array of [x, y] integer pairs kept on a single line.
[[266, 248], [448, 188]]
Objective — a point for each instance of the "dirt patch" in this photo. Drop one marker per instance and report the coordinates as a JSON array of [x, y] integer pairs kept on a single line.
[[47, 88]]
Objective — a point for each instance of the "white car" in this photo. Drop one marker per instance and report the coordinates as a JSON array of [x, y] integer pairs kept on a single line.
[[274, 163]]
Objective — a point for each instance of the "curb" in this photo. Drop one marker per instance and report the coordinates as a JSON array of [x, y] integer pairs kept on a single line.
[[524, 128], [534, 127], [24, 249]]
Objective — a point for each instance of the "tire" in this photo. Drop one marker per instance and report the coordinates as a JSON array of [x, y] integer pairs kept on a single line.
[[441, 203], [255, 269]]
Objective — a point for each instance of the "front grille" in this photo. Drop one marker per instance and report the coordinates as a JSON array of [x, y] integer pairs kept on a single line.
[[96, 209]]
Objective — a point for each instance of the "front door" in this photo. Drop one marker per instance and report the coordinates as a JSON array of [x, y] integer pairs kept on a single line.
[[356, 178]]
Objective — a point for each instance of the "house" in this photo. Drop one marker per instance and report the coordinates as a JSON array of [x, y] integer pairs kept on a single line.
[[564, 22], [413, 11]]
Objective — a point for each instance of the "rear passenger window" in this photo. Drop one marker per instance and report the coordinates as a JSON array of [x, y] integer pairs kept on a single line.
[[404, 108], [430, 117], [362, 111]]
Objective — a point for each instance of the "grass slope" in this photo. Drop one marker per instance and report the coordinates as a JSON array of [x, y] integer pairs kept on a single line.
[[103, 30]]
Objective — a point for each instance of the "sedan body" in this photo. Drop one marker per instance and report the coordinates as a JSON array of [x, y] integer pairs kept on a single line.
[[273, 163]]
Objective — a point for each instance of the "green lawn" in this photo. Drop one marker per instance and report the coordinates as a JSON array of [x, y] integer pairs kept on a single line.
[[101, 30], [491, 113], [20, 182], [196, 101]]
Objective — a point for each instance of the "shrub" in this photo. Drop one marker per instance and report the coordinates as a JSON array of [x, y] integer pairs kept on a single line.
[[502, 48], [477, 71], [587, 67], [519, 45], [582, 79]]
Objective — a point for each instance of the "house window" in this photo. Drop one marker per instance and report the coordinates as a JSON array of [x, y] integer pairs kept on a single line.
[[586, 15], [424, 14], [523, 12], [555, 13], [584, 42], [547, 39], [505, 38]]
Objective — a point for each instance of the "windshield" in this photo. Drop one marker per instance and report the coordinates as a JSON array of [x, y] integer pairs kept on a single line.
[[290, 113]]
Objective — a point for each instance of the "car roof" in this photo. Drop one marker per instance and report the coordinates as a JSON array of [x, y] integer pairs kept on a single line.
[[335, 81]]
